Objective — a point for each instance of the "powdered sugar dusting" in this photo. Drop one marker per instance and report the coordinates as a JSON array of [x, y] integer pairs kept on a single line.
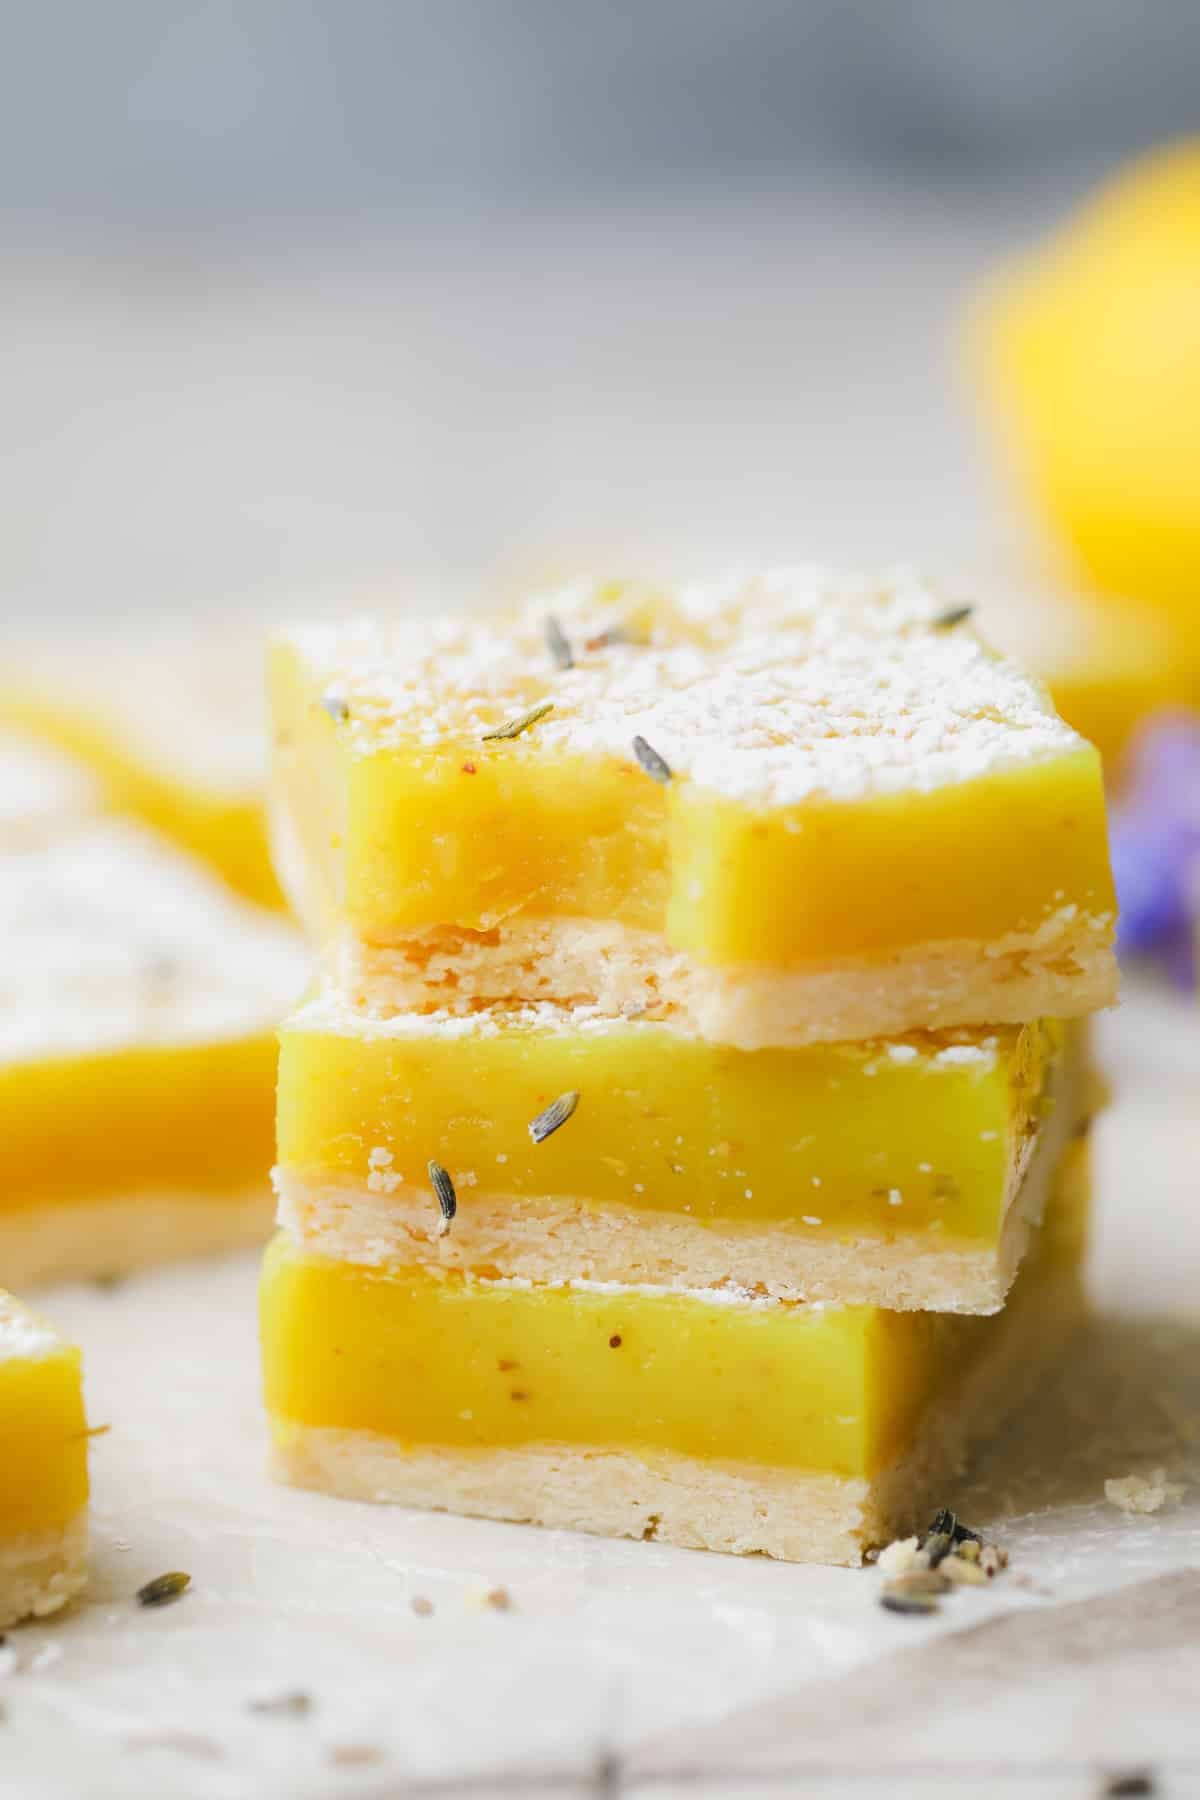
[[40, 789], [109, 938], [22, 1334], [774, 689]]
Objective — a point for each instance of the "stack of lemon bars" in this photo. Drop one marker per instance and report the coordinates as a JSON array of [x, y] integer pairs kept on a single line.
[[688, 1137]]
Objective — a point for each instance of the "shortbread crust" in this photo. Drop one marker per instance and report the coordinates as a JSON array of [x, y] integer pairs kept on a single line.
[[107, 1235], [1064, 970], [40, 1571]]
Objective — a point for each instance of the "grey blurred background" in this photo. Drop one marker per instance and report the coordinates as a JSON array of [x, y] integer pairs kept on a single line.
[[308, 303]]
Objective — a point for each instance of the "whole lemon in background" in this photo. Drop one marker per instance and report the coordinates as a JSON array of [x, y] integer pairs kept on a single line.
[[1090, 351]]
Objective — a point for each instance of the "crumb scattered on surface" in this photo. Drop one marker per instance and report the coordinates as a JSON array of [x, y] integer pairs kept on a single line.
[[422, 1606], [919, 1571], [902, 1555], [188, 1743], [992, 1559], [964, 1571], [499, 1599], [347, 1756], [1143, 1493]]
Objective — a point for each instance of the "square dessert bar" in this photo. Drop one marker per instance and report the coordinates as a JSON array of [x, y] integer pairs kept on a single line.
[[138, 1006], [908, 1173], [792, 809], [43, 1467], [710, 1419]]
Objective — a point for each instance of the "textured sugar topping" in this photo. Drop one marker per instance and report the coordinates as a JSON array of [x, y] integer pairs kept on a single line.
[[332, 1013], [771, 690], [108, 938], [40, 790], [23, 1336]]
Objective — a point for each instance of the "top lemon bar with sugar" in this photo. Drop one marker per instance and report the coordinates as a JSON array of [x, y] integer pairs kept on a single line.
[[785, 809]]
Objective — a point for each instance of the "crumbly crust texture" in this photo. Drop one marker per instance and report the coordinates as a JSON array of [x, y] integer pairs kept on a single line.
[[86, 1240], [1065, 969], [41, 1570], [789, 1514]]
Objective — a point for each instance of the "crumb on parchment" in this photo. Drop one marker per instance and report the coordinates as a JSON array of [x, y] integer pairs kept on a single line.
[[901, 1556], [1143, 1493]]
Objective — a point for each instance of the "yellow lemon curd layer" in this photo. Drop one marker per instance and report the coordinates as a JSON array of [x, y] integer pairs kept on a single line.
[[43, 1430], [850, 776], [172, 731], [187, 1118], [426, 1357], [925, 1133], [137, 1036]]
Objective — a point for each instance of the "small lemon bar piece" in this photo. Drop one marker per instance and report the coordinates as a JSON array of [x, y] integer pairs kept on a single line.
[[43, 1467], [172, 730], [905, 1174], [138, 1006], [709, 1419], [793, 809]]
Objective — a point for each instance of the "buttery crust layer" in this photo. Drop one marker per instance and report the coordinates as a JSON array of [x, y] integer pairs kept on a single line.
[[794, 1515], [80, 1240], [41, 1570], [1063, 970]]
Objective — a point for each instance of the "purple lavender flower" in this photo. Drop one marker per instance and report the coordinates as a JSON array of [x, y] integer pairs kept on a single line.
[[1155, 830]]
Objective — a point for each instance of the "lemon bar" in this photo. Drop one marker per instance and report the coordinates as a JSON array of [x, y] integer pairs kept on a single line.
[[708, 1419], [791, 809], [43, 1467], [904, 1174], [172, 730], [138, 1006]]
